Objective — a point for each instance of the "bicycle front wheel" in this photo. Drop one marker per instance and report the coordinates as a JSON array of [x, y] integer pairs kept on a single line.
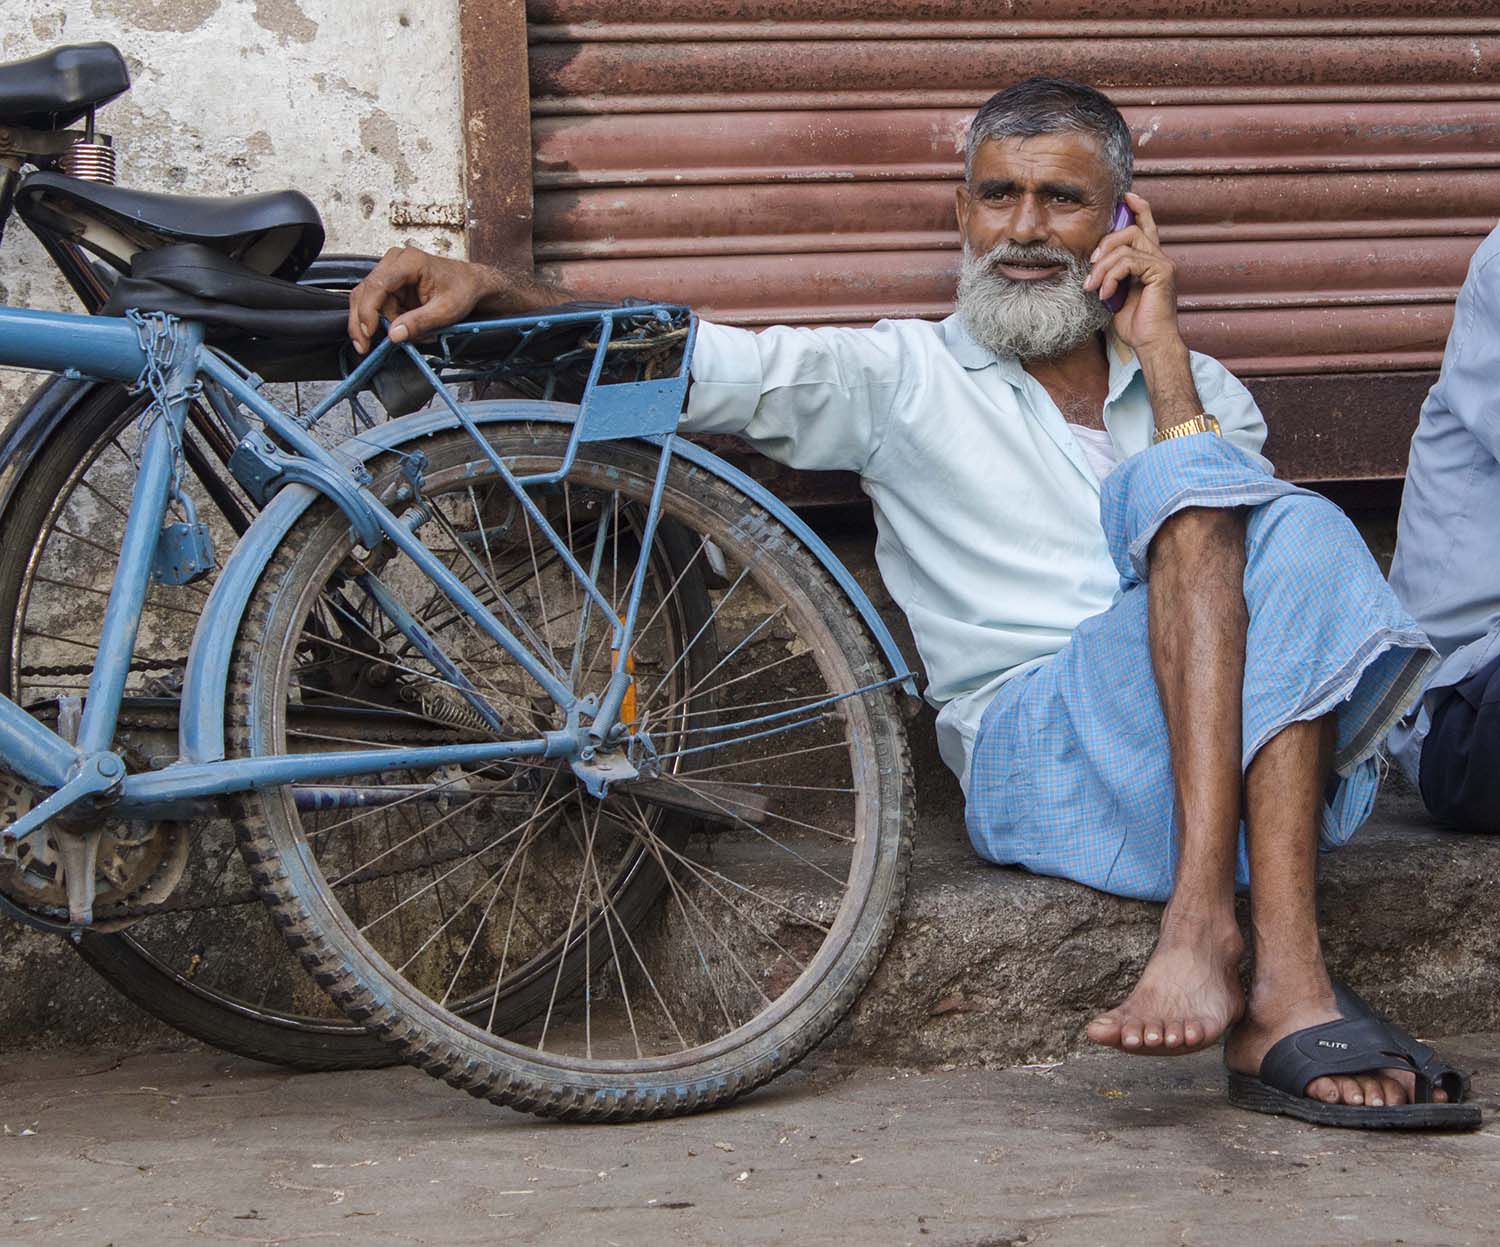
[[660, 950]]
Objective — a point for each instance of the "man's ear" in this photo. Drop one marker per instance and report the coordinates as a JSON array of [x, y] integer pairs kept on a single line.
[[961, 201]]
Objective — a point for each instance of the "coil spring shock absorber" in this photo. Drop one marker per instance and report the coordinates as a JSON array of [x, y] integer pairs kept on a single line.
[[91, 158], [436, 706]]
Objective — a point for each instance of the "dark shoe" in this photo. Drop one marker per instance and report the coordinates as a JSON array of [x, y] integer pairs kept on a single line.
[[1357, 1043]]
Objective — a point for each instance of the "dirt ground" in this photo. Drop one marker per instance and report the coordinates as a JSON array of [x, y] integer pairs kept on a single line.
[[163, 1148]]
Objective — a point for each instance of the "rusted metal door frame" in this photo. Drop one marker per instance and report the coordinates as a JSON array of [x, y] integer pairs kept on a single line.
[[497, 131]]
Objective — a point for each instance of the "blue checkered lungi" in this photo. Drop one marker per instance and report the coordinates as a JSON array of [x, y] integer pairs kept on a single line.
[[1071, 770]]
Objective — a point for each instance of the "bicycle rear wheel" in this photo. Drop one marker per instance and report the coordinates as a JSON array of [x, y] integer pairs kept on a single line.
[[664, 949]]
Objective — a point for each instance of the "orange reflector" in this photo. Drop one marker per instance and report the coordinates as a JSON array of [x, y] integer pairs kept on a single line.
[[627, 706]]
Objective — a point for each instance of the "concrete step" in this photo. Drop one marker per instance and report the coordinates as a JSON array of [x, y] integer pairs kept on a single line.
[[995, 966], [992, 966]]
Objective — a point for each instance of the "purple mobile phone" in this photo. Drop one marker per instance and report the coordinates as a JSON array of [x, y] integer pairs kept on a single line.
[[1123, 217]]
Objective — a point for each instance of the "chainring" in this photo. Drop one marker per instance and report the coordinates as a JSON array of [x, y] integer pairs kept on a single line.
[[138, 863]]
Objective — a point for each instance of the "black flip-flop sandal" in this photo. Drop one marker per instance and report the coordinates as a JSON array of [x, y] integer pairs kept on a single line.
[[1445, 1078], [1357, 1043]]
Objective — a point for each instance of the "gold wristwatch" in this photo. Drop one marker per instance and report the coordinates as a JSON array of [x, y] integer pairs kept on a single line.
[[1201, 423]]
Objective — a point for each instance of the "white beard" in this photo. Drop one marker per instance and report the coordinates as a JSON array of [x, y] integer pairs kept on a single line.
[[1028, 319]]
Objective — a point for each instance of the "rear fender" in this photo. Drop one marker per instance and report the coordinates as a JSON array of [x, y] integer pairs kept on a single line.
[[206, 682], [50, 406]]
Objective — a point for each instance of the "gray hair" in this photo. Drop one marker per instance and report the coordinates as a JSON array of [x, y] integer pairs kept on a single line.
[[1054, 106]]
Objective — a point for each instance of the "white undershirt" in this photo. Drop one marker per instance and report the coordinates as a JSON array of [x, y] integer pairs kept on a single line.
[[1098, 448]]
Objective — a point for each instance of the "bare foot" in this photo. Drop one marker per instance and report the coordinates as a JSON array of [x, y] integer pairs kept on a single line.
[[1270, 1019], [1188, 995]]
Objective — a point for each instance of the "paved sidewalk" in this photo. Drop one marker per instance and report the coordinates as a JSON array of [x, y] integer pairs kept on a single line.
[[162, 1148]]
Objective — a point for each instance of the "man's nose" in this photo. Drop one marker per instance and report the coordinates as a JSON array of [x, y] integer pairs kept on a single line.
[[1027, 222]]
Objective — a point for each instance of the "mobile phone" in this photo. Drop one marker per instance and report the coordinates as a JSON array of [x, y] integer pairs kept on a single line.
[[1123, 217]]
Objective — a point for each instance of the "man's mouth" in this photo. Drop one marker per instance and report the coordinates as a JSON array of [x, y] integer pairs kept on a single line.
[[1030, 270]]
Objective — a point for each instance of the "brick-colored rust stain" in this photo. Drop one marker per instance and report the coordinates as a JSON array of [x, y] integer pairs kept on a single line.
[[1322, 170]]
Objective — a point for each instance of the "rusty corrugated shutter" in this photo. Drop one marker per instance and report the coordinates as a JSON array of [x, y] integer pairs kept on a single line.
[[1322, 170]]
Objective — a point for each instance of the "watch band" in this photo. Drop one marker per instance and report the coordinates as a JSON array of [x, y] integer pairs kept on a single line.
[[1201, 423]]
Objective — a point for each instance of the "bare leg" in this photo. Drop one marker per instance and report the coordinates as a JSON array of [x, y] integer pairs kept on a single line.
[[1283, 797], [1189, 992]]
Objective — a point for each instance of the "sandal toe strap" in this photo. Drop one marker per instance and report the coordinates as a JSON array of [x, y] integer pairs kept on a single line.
[[1430, 1070], [1344, 1046]]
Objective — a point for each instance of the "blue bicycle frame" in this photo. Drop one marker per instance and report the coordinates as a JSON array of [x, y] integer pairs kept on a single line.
[[169, 358]]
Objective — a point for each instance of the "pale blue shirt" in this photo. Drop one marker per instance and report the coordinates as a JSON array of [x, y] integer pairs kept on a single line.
[[986, 509], [1447, 566]]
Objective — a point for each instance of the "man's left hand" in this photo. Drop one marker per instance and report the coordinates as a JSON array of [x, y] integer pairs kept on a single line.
[[1149, 318]]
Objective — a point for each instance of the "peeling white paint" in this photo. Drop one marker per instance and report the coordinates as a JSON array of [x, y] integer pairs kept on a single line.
[[355, 104]]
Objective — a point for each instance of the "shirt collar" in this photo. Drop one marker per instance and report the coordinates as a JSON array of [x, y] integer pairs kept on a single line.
[[1123, 364]]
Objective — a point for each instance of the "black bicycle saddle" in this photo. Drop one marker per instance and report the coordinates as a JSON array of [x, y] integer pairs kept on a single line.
[[279, 233], [55, 89]]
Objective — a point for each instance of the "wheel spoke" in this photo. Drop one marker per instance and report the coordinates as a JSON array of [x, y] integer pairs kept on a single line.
[[727, 803], [652, 929]]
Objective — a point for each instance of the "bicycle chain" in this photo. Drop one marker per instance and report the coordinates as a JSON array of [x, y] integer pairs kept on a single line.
[[87, 668]]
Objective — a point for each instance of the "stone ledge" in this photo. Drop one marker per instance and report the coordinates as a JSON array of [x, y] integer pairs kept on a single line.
[[995, 966]]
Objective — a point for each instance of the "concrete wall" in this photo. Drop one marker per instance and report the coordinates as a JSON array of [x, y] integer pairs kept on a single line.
[[354, 102]]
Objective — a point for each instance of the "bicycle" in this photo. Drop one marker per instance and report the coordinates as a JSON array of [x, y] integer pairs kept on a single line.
[[202, 960], [565, 756]]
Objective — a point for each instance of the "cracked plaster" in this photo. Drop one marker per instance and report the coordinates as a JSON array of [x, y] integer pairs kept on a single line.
[[355, 104]]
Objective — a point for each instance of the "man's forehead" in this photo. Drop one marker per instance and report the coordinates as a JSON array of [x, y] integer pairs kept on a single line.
[[1040, 157]]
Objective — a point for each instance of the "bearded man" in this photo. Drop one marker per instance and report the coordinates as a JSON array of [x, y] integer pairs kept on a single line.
[[1161, 671]]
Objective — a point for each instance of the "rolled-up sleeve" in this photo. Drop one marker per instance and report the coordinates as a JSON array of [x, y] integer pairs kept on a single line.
[[809, 398], [1226, 399]]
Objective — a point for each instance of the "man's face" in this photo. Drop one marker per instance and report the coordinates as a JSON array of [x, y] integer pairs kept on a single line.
[[1053, 190], [1032, 212]]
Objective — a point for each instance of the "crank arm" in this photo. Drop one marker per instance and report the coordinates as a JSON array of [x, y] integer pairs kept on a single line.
[[97, 773]]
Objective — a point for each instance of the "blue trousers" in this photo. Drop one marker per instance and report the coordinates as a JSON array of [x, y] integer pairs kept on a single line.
[[1071, 771]]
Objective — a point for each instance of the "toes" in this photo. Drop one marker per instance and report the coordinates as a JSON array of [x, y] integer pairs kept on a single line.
[[1371, 1089], [1130, 1034], [1192, 1034], [1382, 1088], [1402, 1085], [1151, 1034], [1324, 1089], [1105, 1029]]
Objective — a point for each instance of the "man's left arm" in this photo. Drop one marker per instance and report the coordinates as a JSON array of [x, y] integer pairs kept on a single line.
[[1147, 323]]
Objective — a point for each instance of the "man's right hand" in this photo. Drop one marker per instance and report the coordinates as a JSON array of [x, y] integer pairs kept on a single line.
[[419, 292]]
